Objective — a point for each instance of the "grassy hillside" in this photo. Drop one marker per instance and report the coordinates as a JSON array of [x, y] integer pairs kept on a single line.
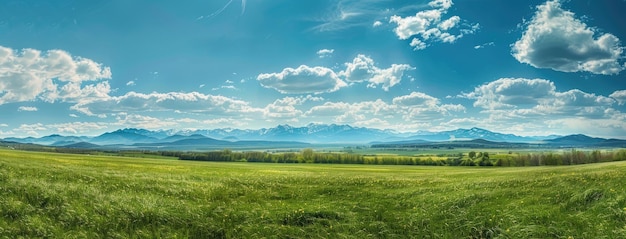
[[82, 196]]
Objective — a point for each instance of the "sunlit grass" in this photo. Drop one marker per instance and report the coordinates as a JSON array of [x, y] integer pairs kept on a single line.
[[83, 196]]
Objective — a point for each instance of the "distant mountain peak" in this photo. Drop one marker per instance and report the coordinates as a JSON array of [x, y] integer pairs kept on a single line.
[[479, 129], [132, 130], [581, 139], [310, 133], [576, 137]]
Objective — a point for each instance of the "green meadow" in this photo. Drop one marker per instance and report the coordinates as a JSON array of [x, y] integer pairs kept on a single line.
[[50, 195]]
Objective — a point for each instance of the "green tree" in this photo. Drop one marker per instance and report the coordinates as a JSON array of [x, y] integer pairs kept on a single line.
[[308, 154], [472, 155]]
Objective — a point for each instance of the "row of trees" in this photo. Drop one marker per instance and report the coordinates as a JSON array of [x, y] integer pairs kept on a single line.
[[473, 159], [304, 156], [570, 157]]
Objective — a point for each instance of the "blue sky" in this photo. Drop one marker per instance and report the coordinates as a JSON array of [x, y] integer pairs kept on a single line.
[[77, 67]]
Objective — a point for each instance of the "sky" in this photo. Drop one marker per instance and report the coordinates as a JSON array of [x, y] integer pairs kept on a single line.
[[75, 67]]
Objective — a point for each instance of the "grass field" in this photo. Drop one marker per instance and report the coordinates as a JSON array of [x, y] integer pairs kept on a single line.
[[82, 196]]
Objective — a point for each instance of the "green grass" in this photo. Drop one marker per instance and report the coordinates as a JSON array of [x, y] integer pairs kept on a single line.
[[82, 196]]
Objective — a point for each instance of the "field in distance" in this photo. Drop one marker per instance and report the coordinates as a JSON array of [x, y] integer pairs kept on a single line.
[[87, 196]]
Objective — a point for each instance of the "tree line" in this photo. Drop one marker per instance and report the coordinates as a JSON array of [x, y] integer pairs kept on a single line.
[[472, 158], [572, 157]]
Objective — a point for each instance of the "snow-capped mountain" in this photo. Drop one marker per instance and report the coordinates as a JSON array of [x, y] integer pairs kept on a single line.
[[476, 133], [311, 133]]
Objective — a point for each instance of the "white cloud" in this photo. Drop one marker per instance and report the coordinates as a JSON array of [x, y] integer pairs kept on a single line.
[[432, 113], [415, 98], [415, 25], [221, 122], [192, 102], [77, 127], [620, 96], [374, 122], [285, 108], [27, 108], [377, 24], [323, 53], [512, 92], [6, 133], [329, 109], [73, 115], [389, 77], [554, 39], [141, 121], [403, 112], [351, 112], [449, 23], [73, 92], [417, 44], [427, 26], [303, 79], [229, 87], [363, 69], [484, 45], [579, 98], [28, 74], [605, 127], [4, 125], [509, 98], [443, 4], [422, 106], [130, 83], [31, 129]]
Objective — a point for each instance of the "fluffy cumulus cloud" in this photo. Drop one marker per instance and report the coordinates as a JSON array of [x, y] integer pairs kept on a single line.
[[286, 108], [29, 74], [192, 102], [620, 96], [342, 112], [432, 26], [512, 92], [74, 92], [416, 98], [555, 39], [412, 110], [424, 107], [364, 69], [303, 79], [515, 98], [536, 107]]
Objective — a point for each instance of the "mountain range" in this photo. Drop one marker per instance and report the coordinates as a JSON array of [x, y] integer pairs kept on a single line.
[[289, 136]]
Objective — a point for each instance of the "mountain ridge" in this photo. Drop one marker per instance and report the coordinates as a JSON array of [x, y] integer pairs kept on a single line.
[[310, 133]]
